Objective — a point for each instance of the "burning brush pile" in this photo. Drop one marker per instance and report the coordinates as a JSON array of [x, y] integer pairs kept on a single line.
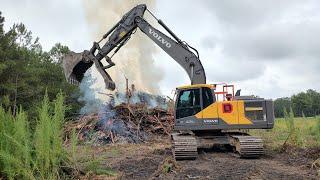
[[140, 118]]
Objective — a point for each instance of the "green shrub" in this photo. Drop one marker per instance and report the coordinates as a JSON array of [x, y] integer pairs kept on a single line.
[[15, 153], [48, 138], [32, 155]]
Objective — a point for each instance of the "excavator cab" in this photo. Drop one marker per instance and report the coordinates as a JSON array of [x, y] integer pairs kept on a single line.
[[191, 101], [215, 107], [207, 115]]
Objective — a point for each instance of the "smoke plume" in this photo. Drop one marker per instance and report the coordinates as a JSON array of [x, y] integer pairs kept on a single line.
[[91, 102], [134, 60]]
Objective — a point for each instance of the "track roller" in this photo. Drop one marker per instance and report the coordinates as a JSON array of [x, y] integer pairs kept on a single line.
[[248, 146], [184, 147]]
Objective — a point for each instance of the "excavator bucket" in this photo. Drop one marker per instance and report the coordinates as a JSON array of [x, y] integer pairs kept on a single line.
[[76, 64]]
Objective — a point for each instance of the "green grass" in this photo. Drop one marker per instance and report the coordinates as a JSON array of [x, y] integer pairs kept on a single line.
[[85, 160], [306, 132]]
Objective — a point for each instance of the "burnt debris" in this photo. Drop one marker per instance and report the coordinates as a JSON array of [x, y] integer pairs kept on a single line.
[[138, 120]]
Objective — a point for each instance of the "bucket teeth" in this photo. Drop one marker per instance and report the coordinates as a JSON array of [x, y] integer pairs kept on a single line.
[[73, 80]]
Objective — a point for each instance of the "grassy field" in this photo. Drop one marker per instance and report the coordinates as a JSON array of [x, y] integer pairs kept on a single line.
[[147, 159], [303, 132]]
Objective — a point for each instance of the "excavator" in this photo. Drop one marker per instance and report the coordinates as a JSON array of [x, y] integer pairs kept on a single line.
[[206, 115]]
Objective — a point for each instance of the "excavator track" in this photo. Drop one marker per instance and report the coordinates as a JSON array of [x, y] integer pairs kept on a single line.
[[184, 147], [248, 146]]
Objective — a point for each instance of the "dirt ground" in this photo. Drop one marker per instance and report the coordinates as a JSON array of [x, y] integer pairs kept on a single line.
[[154, 161]]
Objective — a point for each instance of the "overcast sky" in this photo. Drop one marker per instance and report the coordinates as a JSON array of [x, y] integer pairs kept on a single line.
[[268, 48]]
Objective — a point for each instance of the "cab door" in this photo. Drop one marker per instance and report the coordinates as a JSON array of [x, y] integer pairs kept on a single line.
[[209, 108], [188, 103]]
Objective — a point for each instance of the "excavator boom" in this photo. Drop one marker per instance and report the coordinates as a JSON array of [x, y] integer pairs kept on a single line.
[[76, 64]]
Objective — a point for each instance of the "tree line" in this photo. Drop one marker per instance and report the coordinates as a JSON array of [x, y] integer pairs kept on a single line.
[[27, 71], [303, 104]]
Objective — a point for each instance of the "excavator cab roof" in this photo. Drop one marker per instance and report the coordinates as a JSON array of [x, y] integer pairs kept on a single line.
[[211, 86]]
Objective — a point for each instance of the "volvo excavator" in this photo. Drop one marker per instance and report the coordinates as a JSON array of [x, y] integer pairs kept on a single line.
[[206, 115]]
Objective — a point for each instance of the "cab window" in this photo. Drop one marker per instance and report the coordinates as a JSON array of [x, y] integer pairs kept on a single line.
[[188, 103], [207, 97]]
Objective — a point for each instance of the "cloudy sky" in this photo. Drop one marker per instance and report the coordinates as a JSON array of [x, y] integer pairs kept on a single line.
[[268, 48]]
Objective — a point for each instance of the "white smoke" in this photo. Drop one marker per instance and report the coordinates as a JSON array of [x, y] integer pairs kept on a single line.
[[134, 60], [91, 102]]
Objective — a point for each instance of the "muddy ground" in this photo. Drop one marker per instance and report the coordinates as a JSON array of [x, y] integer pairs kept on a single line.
[[154, 161]]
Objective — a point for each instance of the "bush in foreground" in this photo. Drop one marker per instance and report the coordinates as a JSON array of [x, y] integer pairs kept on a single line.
[[26, 154]]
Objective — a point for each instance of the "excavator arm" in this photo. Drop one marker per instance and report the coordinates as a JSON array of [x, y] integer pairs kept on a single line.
[[76, 64]]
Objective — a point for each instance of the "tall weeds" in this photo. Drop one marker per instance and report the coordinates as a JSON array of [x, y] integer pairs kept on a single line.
[[316, 129], [32, 155], [294, 137]]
